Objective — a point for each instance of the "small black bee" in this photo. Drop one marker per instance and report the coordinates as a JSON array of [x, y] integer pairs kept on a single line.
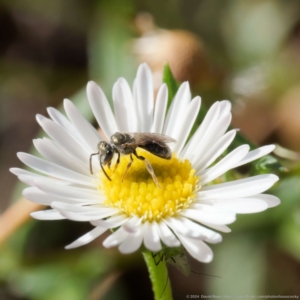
[[126, 143]]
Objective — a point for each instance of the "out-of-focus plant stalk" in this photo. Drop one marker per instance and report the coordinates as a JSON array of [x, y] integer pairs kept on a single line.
[[15, 216]]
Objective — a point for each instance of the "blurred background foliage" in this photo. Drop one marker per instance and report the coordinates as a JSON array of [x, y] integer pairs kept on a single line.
[[245, 51]]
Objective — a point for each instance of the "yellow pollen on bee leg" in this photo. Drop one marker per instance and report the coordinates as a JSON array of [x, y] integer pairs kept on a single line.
[[138, 195]]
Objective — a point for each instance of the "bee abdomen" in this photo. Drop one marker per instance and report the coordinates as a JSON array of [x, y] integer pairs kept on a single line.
[[163, 152]]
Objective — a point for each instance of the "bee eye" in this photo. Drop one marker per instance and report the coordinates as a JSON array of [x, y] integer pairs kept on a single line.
[[103, 146]]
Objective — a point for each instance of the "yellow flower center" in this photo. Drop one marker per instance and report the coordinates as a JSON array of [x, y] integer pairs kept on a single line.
[[138, 195]]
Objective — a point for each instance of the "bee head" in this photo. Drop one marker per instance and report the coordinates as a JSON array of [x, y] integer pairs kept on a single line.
[[118, 139], [106, 152], [104, 147]]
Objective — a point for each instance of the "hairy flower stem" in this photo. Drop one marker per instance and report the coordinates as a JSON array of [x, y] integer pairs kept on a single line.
[[159, 277]]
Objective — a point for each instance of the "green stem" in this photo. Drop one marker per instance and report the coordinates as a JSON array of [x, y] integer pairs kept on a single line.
[[159, 277]]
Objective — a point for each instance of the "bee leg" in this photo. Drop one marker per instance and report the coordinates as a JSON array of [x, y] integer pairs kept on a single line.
[[91, 167], [104, 170], [174, 261], [160, 256], [117, 162], [149, 167], [127, 168], [151, 171]]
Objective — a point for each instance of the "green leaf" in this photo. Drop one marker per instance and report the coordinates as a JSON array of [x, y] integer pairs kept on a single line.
[[171, 83], [269, 164], [266, 164]]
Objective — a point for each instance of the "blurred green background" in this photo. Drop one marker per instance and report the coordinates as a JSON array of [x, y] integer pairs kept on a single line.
[[245, 51]]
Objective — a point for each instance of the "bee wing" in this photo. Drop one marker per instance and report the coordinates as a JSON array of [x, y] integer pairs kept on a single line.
[[181, 262], [143, 138]]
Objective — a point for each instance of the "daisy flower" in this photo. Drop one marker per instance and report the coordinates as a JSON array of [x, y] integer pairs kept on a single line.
[[189, 208]]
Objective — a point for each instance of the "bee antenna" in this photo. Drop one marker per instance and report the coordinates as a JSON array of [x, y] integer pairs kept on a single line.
[[206, 274], [104, 170], [91, 166]]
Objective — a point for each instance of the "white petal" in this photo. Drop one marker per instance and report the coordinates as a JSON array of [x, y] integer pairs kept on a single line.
[[101, 109], [132, 243], [132, 224], [151, 237], [176, 224], [83, 213], [186, 124], [65, 141], [255, 154], [135, 101], [167, 235], [87, 238], [30, 180], [128, 95], [177, 109], [68, 192], [225, 108], [35, 195], [25, 176], [48, 149], [120, 109], [243, 205], [271, 200], [124, 109], [145, 98], [210, 137], [133, 111], [87, 132], [115, 238], [160, 109], [112, 222], [54, 170], [38, 196], [224, 164], [206, 234], [61, 120], [210, 118], [71, 207], [20, 172], [238, 188], [197, 249], [29, 177], [88, 217], [49, 214], [222, 228], [206, 216], [215, 150]]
